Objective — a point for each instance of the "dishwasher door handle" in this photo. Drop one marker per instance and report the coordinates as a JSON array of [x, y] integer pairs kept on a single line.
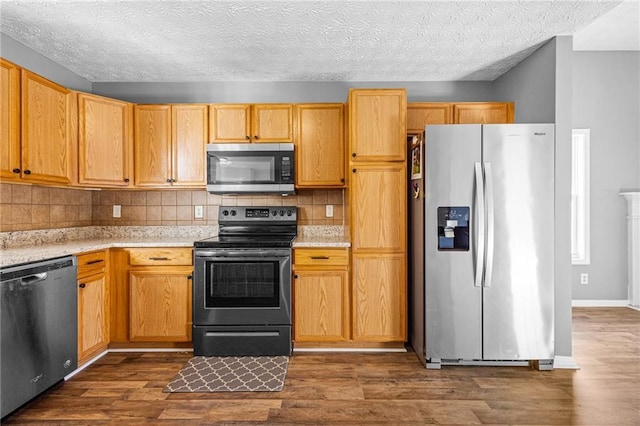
[[35, 278]]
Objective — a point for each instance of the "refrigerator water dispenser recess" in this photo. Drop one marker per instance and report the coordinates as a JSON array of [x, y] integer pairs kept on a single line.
[[453, 228]]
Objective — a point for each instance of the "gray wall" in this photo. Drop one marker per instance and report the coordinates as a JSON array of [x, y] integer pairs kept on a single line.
[[541, 88], [283, 91], [20, 54], [606, 99]]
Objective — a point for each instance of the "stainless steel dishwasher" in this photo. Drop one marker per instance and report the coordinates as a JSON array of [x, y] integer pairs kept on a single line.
[[39, 328]]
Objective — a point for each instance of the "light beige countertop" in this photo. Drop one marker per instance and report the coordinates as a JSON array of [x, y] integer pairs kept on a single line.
[[321, 236], [30, 246]]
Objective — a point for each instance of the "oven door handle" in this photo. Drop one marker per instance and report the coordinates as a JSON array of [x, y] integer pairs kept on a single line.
[[243, 254]]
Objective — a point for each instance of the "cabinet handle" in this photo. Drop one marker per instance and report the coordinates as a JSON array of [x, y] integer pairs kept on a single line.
[[169, 180], [295, 276], [126, 180], [189, 277], [82, 285], [158, 258], [16, 170], [354, 155], [91, 262], [27, 172], [320, 257], [256, 137], [342, 180], [354, 170], [247, 137]]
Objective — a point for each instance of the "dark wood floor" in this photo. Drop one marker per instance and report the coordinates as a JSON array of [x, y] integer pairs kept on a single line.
[[388, 389]]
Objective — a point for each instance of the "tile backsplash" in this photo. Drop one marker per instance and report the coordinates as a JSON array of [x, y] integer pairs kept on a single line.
[[26, 207]]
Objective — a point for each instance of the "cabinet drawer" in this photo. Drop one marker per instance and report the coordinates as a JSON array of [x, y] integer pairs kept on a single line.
[[321, 257], [92, 263], [159, 257]]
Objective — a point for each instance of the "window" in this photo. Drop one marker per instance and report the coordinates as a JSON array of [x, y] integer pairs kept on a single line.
[[580, 245]]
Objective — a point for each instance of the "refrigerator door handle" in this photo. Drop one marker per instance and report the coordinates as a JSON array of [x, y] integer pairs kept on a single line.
[[480, 202], [488, 176]]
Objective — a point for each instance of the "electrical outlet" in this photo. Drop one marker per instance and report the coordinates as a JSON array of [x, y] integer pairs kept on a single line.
[[329, 210], [117, 210], [584, 278], [198, 212]]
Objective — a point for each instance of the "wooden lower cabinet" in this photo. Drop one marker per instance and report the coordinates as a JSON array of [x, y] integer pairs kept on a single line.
[[321, 306], [93, 305], [151, 303], [379, 297], [321, 302], [160, 304]]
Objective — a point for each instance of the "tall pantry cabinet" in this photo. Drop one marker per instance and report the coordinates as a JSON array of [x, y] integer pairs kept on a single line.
[[377, 208]]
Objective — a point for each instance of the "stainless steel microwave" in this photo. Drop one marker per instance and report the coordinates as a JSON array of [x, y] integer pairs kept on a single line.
[[250, 168]]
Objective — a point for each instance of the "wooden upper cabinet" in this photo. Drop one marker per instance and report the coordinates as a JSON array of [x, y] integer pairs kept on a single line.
[[104, 132], [170, 145], [272, 123], [419, 114], [152, 145], [483, 113], [320, 145], [10, 166], [189, 127], [229, 123], [46, 130], [377, 124], [238, 123]]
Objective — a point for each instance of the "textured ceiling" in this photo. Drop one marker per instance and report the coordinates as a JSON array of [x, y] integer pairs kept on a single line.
[[300, 40]]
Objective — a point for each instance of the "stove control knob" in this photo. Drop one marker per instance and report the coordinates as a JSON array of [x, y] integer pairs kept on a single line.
[[289, 212], [233, 212], [274, 212], [281, 212], [225, 213]]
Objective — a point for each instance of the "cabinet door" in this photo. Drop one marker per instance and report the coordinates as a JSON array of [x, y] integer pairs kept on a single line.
[[152, 145], [321, 306], [160, 305], [419, 114], [189, 127], [377, 124], [104, 133], [379, 297], [46, 123], [93, 324], [483, 113], [229, 123], [10, 167], [378, 207], [320, 145], [272, 123]]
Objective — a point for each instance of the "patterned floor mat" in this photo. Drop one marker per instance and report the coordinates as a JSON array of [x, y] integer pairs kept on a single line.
[[231, 374]]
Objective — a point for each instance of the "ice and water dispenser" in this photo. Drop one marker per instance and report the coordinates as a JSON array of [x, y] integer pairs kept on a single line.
[[453, 228]]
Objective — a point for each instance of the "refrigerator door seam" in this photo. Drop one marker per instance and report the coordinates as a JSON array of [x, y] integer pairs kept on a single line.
[[488, 272]]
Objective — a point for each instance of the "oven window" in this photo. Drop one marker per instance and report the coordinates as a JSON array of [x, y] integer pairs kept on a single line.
[[240, 284]]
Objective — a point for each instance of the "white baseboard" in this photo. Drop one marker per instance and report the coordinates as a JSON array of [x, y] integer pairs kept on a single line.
[[565, 362], [321, 349], [600, 303]]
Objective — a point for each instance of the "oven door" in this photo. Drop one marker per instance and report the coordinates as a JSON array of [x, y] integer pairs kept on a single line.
[[242, 287]]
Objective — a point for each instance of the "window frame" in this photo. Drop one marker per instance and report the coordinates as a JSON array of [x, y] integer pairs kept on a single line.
[[580, 197]]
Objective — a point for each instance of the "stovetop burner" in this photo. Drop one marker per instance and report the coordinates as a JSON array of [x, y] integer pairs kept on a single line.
[[267, 227]]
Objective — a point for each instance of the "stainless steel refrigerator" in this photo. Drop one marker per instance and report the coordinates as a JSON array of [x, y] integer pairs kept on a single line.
[[482, 245]]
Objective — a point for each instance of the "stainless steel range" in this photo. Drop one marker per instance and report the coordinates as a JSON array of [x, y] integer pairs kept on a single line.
[[242, 284]]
